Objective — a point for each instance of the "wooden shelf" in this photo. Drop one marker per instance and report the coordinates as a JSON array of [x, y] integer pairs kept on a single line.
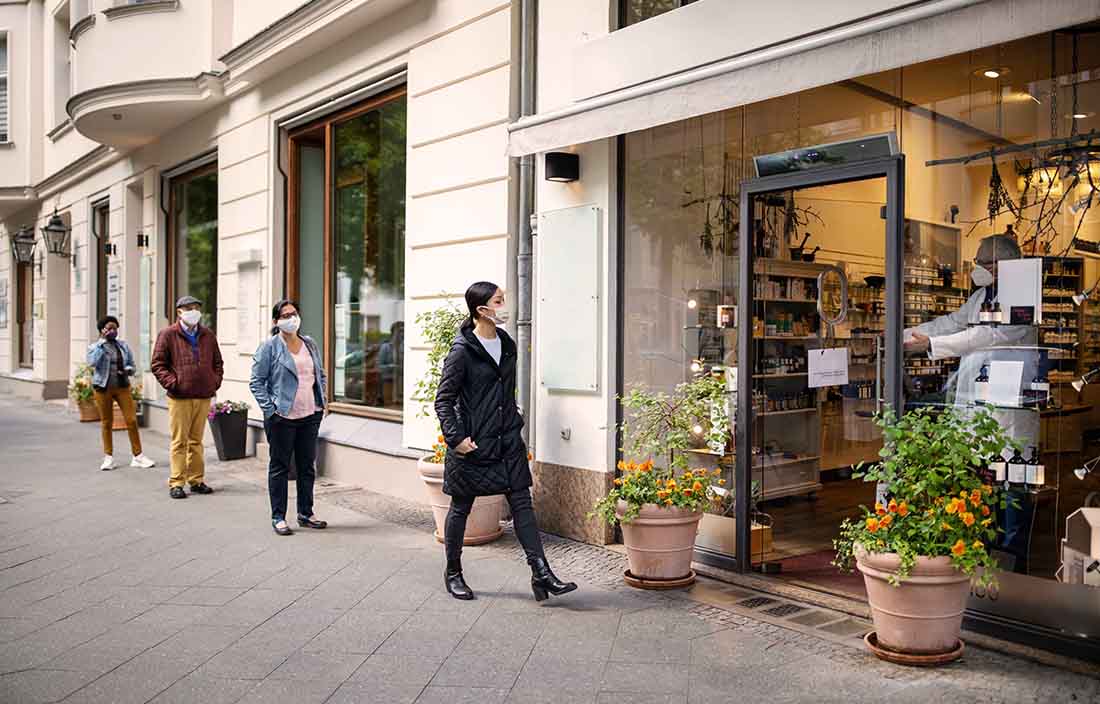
[[786, 413], [790, 375], [769, 463]]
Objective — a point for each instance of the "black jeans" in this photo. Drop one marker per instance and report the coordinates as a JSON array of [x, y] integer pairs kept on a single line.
[[523, 521], [286, 439]]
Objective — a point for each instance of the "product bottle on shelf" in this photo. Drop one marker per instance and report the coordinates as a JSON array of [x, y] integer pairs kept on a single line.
[[1040, 387], [1017, 470], [1036, 471], [985, 314], [997, 316], [999, 468]]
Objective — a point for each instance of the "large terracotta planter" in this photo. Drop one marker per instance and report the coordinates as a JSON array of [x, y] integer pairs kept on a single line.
[[660, 541], [87, 411], [923, 615], [483, 525]]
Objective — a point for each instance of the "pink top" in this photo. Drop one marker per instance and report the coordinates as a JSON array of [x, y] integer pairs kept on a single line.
[[304, 402]]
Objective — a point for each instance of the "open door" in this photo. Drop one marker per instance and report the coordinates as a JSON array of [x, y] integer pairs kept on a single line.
[[819, 354]]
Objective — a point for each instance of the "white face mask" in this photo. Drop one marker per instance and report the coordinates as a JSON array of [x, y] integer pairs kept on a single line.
[[191, 318], [497, 315], [981, 276], [289, 325]]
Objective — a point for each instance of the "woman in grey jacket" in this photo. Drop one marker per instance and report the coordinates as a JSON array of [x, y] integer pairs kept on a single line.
[[288, 382]]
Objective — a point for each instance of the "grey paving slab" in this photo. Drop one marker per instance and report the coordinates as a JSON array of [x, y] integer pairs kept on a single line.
[[499, 672], [462, 695], [551, 674], [645, 648], [41, 686], [646, 678], [381, 692], [206, 596], [398, 669], [319, 667], [549, 696], [251, 662], [133, 682], [195, 689], [297, 691], [93, 659], [636, 698]]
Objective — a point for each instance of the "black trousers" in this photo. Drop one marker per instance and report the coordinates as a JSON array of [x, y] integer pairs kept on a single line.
[[523, 521], [288, 439]]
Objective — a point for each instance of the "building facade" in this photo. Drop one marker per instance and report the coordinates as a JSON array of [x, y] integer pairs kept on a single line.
[[769, 190], [349, 154], [373, 157]]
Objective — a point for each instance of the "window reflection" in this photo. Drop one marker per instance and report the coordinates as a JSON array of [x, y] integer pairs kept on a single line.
[[368, 211]]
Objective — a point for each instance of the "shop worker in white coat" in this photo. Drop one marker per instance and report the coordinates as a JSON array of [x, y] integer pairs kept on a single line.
[[958, 335]]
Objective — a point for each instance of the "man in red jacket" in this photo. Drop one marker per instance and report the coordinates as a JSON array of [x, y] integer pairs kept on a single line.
[[188, 364]]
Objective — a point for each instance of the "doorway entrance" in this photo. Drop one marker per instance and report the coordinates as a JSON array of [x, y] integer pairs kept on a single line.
[[24, 312], [819, 353]]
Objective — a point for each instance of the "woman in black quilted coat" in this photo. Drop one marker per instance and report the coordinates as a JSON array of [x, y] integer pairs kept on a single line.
[[486, 455]]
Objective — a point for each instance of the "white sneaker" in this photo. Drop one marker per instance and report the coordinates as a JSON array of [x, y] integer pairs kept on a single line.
[[108, 463], [142, 461]]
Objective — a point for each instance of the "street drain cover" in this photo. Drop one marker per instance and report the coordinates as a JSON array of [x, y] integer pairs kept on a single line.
[[756, 602], [784, 610]]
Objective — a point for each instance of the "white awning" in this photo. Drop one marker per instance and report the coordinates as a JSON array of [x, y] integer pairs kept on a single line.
[[917, 33]]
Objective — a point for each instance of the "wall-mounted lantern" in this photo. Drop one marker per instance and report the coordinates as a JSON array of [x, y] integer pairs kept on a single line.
[[563, 167], [22, 245]]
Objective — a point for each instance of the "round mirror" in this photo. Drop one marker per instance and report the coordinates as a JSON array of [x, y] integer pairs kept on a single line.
[[832, 295]]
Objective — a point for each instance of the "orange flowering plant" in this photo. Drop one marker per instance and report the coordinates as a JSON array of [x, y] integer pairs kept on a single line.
[[660, 427], [938, 503]]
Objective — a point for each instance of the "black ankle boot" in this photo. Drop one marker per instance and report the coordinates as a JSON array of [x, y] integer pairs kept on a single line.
[[544, 582], [456, 585]]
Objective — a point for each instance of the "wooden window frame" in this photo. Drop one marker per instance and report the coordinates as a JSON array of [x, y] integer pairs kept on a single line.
[[172, 240], [24, 311], [324, 125]]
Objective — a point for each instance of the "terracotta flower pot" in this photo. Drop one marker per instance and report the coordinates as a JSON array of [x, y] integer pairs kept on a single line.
[[483, 525], [660, 541], [87, 411], [924, 614]]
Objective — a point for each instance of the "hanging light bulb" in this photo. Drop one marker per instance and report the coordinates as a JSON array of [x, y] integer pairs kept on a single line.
[[698, 429], [696, 365]]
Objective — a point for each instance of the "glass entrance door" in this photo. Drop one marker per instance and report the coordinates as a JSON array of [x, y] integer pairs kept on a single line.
[[819, 276]]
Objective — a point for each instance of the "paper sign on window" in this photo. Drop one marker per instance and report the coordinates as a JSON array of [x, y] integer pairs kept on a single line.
[[828, 367]]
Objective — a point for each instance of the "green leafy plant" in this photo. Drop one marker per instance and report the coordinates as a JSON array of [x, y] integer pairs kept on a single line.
[[940, 505], [137, 391], [659, 428], [439, 328], [80, 387]]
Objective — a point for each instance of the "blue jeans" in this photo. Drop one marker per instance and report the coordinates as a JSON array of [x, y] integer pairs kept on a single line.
[[289, 439]]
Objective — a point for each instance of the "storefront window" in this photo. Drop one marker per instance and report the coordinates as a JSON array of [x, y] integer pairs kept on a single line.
[[347, 266], [1038, 195], [634, 11], [194, 229], [369, 238]]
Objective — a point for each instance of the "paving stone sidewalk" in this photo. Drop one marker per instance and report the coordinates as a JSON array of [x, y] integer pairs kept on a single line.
[[112, 592]]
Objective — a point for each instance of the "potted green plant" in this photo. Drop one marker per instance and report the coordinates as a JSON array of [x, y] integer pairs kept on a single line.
[[137, 392], [82, 394], [229, 425], [439, 328], [920, 551], [659, 500]]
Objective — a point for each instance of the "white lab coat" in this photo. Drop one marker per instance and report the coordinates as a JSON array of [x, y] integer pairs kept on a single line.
[[955, 335]]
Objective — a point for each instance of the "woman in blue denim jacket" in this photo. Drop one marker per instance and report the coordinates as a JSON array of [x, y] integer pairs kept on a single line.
[[288, 381], [112, 365]]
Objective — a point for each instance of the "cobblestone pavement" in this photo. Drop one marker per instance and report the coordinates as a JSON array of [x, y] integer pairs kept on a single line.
[[112, 592]]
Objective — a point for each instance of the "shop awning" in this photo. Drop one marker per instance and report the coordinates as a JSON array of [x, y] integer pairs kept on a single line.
[[916, 33]]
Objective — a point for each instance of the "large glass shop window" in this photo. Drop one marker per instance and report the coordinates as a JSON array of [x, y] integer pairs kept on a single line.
[[1001, 298]]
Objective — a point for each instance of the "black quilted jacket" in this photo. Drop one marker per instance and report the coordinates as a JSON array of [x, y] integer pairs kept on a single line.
[[477, 399]]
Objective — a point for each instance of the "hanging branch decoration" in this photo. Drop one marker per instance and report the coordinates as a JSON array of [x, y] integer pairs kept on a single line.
[[720, 223], [999, 197]]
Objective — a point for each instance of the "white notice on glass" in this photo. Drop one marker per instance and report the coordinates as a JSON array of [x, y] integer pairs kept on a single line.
[[828, 367], [1005, 379]]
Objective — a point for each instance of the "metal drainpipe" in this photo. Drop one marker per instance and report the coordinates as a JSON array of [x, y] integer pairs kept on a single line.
[[524, 26]]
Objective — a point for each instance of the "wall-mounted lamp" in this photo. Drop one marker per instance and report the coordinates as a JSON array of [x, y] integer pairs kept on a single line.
[[1079, 384], [22, 245], [142, 239], [56, 233], [563, 167]]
